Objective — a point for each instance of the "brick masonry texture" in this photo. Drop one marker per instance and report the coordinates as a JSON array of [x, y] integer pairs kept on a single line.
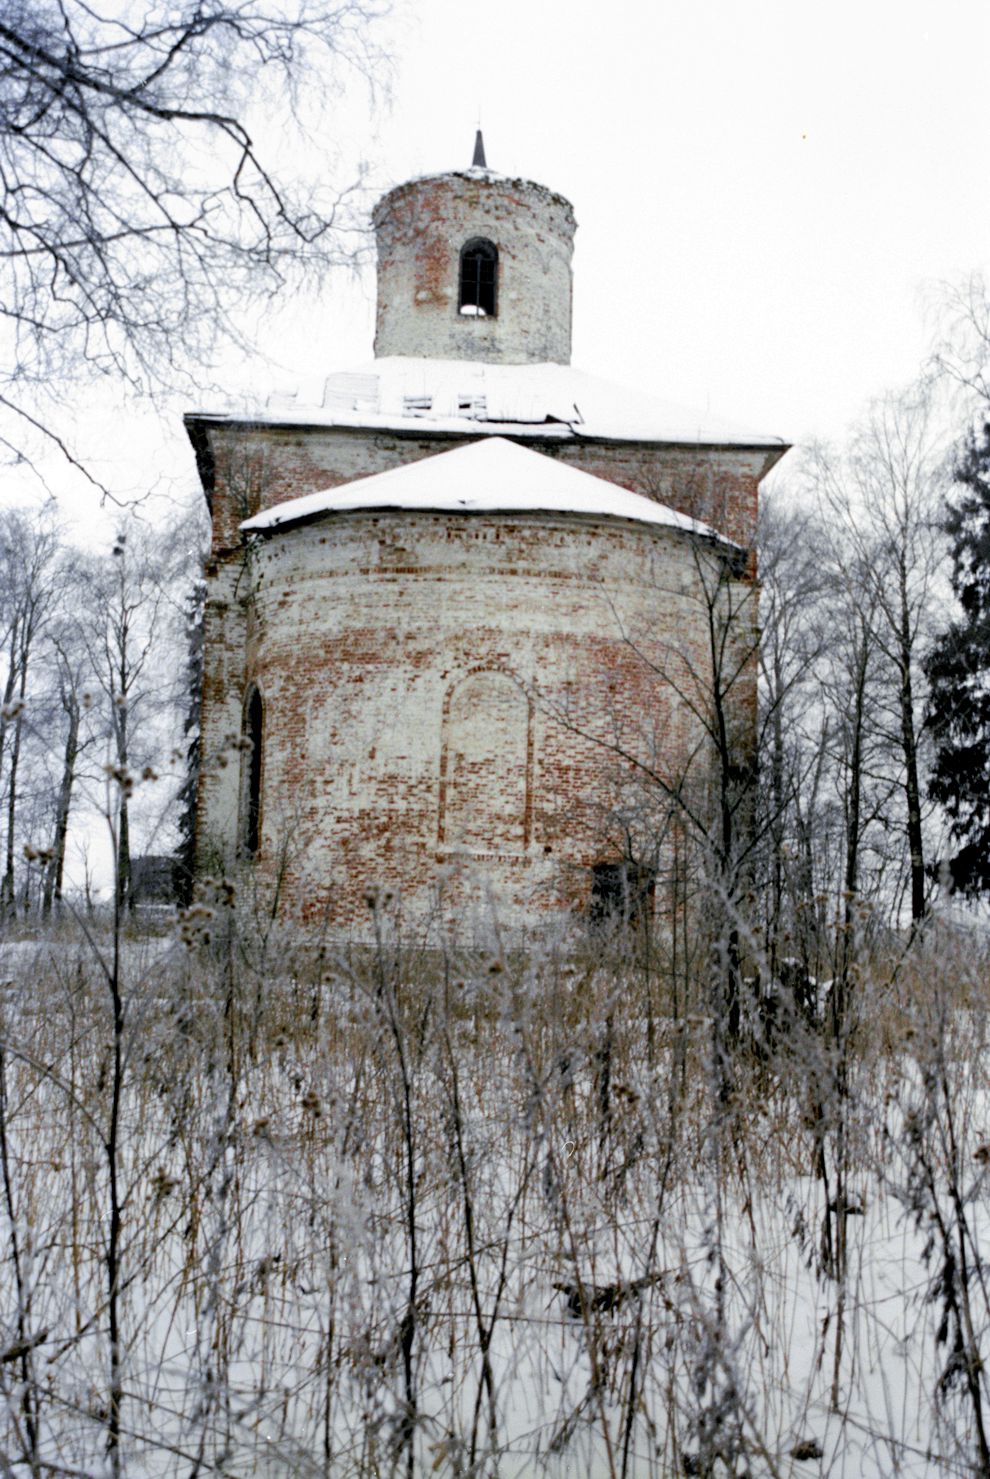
[[463, 713], [358, 631], [421, 228], [247, 468]]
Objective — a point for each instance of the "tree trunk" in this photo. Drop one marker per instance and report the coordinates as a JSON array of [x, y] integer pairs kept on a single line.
[[854, 807], [7, 886], [776, 816], [56, 867], [909, 741], [123, 881], [124, 889]]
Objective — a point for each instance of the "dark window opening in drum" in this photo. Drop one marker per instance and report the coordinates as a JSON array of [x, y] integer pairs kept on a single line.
[[479, 279], [253, 734], [622, 893]]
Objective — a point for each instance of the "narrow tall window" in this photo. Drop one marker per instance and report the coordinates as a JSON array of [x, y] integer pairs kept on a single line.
[[479, 278], [253, 733]]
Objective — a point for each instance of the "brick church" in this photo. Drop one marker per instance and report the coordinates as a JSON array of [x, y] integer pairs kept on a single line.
[[458, 646]]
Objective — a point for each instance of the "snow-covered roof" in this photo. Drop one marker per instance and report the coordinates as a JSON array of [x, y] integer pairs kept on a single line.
[[467, 396], [489, 476]]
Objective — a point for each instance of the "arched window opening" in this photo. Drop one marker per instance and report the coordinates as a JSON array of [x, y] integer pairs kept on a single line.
[[479, 279], [251, 785]]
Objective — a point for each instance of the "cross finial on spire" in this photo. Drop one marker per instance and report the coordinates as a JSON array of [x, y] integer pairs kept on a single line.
[[478, 162]]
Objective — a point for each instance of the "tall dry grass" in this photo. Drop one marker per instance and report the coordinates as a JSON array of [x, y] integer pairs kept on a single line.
[[388, 1210]]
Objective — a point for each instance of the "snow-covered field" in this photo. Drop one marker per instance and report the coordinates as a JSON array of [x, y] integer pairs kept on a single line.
[[375, 1215]]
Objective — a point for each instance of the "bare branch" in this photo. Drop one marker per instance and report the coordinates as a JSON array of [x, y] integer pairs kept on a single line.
[[138, 209]]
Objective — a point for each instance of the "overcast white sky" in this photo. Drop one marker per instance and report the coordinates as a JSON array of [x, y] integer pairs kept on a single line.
[[765, 193]]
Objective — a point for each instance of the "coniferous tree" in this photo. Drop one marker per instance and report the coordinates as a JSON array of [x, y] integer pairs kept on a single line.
[[959, 673]]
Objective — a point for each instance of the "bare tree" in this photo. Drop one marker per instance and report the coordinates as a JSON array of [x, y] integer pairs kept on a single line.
[[136, 204], [28, 549], [886, 495], [691, 801], [131, 629], [793, 581], [961, 349], [69, 673]]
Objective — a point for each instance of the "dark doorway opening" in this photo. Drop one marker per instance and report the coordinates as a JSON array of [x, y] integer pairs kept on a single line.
[[622, 893]]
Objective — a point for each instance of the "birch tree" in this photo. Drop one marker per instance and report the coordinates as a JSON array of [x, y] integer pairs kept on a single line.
[[883, 498], [131, 631], [28, 585]]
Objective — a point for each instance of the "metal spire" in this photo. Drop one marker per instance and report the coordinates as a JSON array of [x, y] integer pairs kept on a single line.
[[479, 162]]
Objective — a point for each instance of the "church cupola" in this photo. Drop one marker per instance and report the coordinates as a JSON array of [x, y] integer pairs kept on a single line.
[[474, 265]]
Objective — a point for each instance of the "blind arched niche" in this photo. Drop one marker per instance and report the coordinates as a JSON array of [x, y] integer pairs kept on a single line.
[[486, 763]]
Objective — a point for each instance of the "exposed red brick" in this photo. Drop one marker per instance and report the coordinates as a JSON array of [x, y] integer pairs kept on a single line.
[[464, 711]]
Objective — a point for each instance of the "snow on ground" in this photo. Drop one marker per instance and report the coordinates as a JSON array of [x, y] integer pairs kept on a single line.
[[361, 1213]]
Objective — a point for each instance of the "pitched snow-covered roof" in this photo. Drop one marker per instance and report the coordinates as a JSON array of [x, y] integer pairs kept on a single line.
[[489, 476], [548, 401]]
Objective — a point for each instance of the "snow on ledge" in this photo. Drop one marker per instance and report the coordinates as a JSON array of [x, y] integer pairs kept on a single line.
[[488, 476]]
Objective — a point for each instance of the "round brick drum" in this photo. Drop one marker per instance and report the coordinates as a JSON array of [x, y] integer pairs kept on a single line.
[[451, 699], [422, 230]]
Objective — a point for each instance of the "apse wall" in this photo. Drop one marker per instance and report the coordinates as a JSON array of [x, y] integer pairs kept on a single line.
[[447, 701]]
